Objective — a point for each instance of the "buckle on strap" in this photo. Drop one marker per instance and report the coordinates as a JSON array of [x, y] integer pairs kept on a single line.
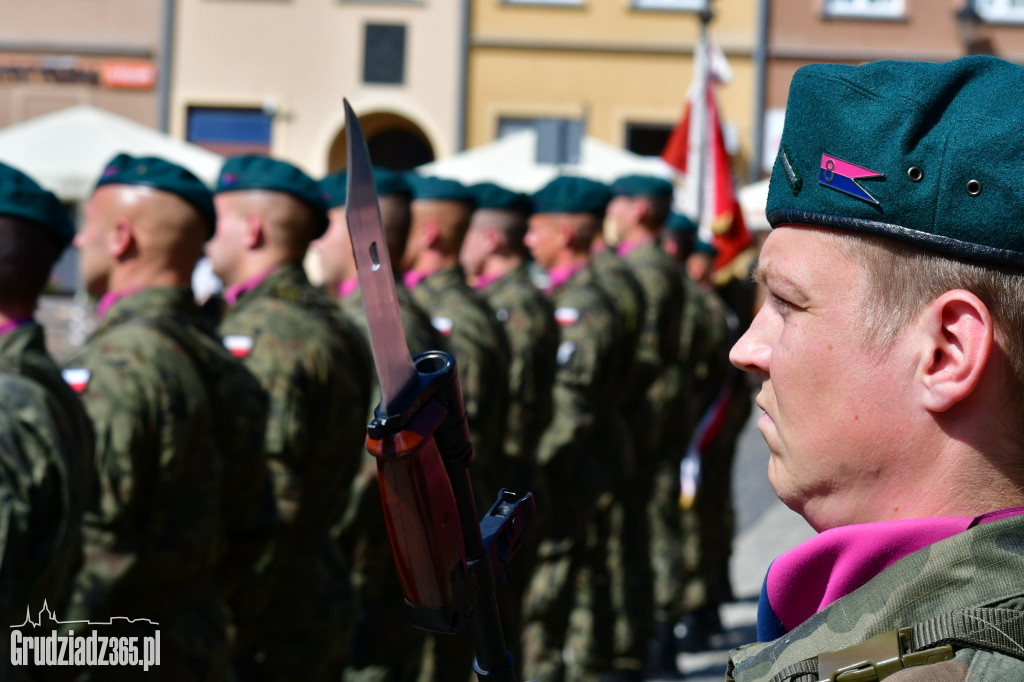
[[877, 658]]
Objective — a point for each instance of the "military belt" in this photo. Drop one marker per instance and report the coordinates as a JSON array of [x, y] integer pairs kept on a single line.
[[934, 641]]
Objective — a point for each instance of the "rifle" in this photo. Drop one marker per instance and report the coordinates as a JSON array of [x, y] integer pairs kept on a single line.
[[448, 563]]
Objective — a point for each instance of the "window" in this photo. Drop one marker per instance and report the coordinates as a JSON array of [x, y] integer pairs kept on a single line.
[[1000, 10], [865, 9], [647, 139], [678, 5], [229, 131], [384, 54], [558, 139]]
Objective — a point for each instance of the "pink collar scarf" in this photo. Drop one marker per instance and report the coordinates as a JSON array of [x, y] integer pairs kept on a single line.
[[809, 577]]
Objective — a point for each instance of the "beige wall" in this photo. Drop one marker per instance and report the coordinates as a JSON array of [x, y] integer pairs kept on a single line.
[[614, 64], [799, 34], [79, 37], [303, 56]]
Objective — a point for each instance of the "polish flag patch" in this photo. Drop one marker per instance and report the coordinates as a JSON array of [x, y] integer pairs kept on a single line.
[[77, 379], [239, 346], [443, 325], [567, 316]]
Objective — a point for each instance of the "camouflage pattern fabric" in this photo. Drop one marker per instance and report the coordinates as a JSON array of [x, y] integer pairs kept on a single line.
[[154, 536], [46, 481], [238, 421], [478, 344], [529, 323], [982, 567], [574, 462], [316, 370], [385, 647]]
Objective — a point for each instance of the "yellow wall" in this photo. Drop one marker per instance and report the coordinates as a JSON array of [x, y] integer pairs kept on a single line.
[[614, 64]]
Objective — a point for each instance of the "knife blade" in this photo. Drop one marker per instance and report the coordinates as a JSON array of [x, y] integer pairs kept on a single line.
[[373, 265]]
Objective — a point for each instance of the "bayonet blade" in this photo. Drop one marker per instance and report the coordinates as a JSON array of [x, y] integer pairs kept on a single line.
[[373, 264]]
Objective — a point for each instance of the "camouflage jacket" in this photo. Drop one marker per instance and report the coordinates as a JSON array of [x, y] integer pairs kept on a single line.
[[316, 370], [46, 478], [480, 349], [589, 341], [981, 567], [154, 536], [659, 339], [626, 294], [529, 323]]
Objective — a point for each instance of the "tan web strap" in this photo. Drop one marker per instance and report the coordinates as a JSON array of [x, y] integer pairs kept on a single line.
[[936, 640]]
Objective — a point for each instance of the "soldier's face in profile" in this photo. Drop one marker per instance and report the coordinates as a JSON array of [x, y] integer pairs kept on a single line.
[[542, 239], [225, 247], [93, 240], [832, 408], [335, 248]]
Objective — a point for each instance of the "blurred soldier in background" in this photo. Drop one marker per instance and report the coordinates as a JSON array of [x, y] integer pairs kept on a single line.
[[316, 370], [496, 262], [696, 440], [385, 647], [154, 539], [46, 445], [568, 213]]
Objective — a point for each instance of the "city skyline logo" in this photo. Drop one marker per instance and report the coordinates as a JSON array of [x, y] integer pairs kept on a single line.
[[53, 618]]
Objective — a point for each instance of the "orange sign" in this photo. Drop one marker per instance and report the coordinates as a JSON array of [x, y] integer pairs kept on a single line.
[[129, 75]]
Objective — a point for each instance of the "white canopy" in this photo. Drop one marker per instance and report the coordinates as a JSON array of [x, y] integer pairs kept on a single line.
[[65, 151], [753, 199], [511, 162]]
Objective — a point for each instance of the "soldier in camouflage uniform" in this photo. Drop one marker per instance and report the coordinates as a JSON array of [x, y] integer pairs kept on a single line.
[[637, 212], [384, 645], [707, 520], [573, 458], [495, 260], [46, 441], [892, 377], [315, 368], [170, 537], [441, 211]]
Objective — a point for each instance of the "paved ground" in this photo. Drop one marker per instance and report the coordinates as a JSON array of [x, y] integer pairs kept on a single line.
[[765, 529]]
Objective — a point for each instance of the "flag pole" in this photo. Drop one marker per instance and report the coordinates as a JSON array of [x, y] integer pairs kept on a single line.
[[701, 124]]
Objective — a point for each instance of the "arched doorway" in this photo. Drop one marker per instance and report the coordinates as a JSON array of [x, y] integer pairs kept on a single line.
[[394, 142]]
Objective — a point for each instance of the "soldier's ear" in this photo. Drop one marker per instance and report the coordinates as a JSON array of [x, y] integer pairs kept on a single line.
[[253, 231], [954, 340], [122, 238], [431, 233]]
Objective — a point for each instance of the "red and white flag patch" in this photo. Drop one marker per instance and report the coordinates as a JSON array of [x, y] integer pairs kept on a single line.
[[77, 379], [443, 325], [237, 345], [567, 316]]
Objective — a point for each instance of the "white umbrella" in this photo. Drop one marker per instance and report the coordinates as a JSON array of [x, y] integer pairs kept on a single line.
[[65, 151]]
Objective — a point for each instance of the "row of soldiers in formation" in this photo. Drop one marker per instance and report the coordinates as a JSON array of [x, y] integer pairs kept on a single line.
[[203, 468]]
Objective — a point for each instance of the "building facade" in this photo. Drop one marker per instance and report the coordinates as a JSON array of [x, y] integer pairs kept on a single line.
[[59, 53], [618, 69], [801, 32], [268, 76]]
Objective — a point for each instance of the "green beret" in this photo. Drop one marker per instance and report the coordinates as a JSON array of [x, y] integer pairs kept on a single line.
[[426, 188], [927, 154], [569, 194], [679, 223], [335, 189], [391, 182], [491, 196], [702, 246], [263, 173], [150, 171], [21, 197], [641, 185]]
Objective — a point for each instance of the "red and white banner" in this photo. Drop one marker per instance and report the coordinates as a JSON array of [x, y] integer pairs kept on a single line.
[[696, 147]]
